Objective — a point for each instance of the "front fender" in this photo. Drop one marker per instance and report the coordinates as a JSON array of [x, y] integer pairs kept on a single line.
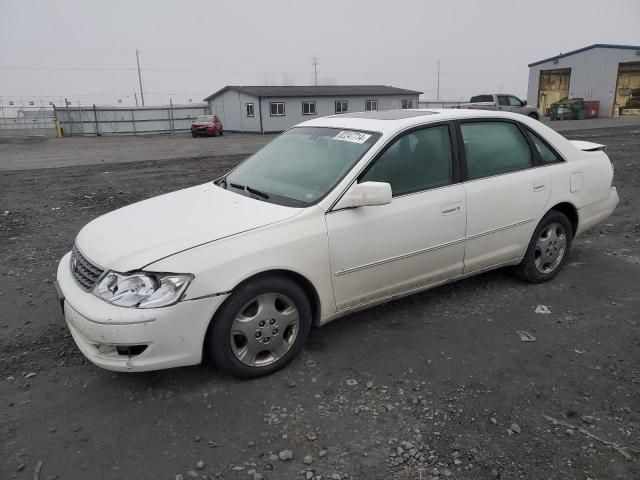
[[298, 244]]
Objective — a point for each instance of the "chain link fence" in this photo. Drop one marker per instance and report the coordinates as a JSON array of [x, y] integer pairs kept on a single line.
[[27, 121], [94, 120]]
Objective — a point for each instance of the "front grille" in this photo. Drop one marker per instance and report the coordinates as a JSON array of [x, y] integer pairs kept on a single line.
[[84, 272]]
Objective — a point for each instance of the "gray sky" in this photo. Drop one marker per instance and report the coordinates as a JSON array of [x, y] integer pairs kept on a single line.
[[85, 50]]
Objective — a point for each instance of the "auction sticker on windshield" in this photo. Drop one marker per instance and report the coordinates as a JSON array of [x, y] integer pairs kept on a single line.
[[353, 137]]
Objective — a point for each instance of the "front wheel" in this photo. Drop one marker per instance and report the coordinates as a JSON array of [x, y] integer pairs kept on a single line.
[[548, 249], [194, 134], [260, 328]]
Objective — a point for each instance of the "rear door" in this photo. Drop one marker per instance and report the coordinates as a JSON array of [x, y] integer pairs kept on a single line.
[[417, 239], [507, 193]]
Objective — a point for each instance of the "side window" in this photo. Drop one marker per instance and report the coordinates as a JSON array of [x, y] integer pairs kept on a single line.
[[546, 154], [493, 148], [416, 161], [514, 101], [249, 107], [503, 100]]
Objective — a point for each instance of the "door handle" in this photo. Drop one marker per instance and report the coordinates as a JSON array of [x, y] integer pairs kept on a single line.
[[450, 208], [538, 187]]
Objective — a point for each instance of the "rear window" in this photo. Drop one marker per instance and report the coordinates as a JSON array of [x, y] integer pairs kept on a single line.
[[481, 98], [546, 154]]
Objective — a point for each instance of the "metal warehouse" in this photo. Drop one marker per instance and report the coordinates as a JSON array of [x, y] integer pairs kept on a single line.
[[267, 109], [609, 74]]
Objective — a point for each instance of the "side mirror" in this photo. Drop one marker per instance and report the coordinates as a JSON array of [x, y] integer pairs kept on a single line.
[[524, 103], [365, 194]]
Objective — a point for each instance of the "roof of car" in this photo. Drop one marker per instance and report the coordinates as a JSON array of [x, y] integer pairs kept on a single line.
[[393, 120], [385, 114], [314, 90]]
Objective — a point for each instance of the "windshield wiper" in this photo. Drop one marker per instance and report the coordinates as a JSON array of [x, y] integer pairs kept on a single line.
[[249, 189]]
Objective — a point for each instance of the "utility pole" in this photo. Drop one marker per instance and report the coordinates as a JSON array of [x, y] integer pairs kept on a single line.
[[438, 88], [315, 70], [139, 76], [135, 95]]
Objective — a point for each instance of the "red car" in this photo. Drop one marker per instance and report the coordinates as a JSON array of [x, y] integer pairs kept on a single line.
[[209, 125]]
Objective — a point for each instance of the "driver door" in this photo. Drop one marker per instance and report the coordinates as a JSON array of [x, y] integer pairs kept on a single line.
[[416, 240]]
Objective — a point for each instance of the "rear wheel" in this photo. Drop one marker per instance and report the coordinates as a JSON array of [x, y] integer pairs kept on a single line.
[[548, 248], [260, 328]]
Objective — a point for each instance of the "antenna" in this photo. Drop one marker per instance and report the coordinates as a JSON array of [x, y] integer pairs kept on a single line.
[[315, 69]]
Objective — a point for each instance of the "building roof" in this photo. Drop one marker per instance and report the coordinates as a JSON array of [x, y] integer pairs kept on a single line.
[[595, 45], [315, 91]]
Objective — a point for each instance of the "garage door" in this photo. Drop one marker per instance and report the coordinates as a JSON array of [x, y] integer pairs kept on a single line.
[[553, 86], [628, 89]]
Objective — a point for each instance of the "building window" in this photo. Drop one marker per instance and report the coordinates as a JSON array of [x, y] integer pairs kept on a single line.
[[277, 109], [342, 106], [407, 103], [308, 108], [370, 105], [249, 109]]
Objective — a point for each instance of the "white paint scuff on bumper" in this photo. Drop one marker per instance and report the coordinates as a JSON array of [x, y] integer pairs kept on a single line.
[[591, 215]]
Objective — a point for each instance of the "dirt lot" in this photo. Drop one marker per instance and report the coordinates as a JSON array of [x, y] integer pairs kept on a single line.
[[25, 153], [437, 385]]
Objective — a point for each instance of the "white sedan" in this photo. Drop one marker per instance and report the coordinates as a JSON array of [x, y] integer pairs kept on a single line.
[[335, 215]]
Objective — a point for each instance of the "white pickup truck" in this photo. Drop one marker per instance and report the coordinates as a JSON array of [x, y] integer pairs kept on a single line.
[[499, 101]]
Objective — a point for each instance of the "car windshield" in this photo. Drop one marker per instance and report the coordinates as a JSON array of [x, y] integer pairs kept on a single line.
[[302, 165], [204, 118]]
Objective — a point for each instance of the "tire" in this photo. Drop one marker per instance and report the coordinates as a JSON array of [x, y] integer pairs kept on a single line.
[[216, 133], [255, 332], [533, 115], [194, 134], [548, 249], [221, 132]]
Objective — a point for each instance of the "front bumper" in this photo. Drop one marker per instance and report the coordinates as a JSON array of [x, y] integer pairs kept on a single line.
[[173, 335]]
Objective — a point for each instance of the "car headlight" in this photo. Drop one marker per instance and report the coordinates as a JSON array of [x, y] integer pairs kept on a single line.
[[142, 290]]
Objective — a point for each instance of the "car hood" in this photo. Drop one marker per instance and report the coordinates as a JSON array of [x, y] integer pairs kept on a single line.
[[134, 236]]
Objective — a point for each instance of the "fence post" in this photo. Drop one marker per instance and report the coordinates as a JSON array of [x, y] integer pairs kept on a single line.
[[171, 115], [95, 118], [133, 119]]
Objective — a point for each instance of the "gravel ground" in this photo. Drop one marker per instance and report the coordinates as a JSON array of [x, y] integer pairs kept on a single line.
[[437, 385], [25, 153]]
